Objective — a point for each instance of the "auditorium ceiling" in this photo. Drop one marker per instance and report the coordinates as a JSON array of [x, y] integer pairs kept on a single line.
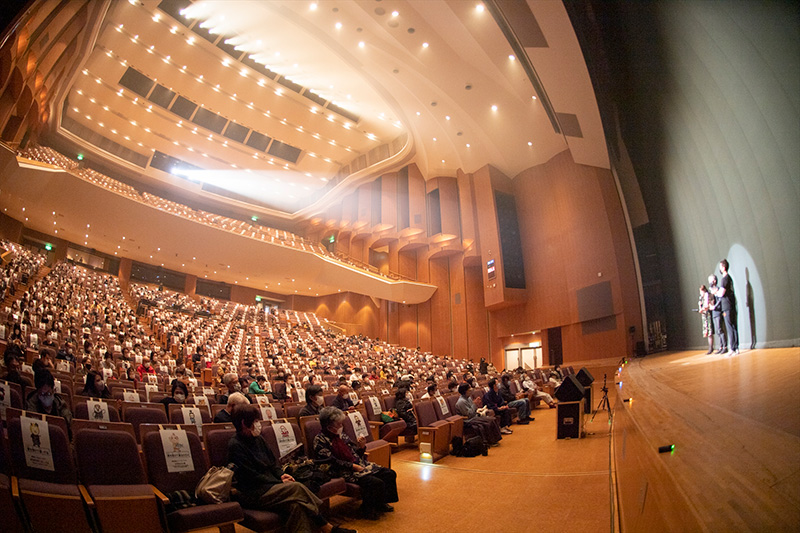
[[283, 107]]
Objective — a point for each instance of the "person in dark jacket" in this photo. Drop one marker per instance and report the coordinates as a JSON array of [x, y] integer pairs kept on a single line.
[[263, 485], [314, 401], [45, 399], [95, 387], [348, 460], [404, 408], [496, 403]]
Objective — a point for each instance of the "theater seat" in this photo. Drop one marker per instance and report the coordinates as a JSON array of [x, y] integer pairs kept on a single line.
[[443, 412], [109, 466], [378, 451], [434, 434], [144, 415], [222, 516], [388, 431], [50, 500]]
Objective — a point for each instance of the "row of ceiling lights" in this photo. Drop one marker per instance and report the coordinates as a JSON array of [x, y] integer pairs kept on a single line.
[[244, 71]]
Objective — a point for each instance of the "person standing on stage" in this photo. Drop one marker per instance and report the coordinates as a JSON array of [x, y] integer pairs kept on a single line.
[[728, 303], [715, 305], [705, 315]]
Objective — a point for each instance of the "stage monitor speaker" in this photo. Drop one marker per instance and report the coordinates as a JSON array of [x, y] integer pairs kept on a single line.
[[570, 390], [569, 419], [585, 377]]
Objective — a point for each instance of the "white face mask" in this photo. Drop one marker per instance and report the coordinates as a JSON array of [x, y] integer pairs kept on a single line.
[[180, 398], [319, 400], [257, 428], [338, 431]]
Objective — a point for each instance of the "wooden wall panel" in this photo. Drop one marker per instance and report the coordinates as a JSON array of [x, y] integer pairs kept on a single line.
[[476, 314], [441, 325], [458, 307]]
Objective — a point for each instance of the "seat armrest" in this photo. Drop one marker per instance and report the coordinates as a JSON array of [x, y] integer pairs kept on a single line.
[[86, 496], [375, 429], [160, 496], [15, 488]]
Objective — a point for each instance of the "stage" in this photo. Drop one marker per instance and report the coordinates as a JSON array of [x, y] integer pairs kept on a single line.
[[735, 424]]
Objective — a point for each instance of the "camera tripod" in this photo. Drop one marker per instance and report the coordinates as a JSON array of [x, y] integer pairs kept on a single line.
[[604, 403]]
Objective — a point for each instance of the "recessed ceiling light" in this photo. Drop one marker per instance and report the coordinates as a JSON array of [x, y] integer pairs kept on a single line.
[[467, 145], [494, 108], [313, 6], [447, 117], [424, 45], [530, 143], [395, 13], [361, 44], [338, 25], [479, 8], [418, 113], [511, 57]]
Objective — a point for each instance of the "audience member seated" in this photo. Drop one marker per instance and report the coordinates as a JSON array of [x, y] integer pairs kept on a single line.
[[261, 483], [404, 408], [430, 391], [496, 403], [234, 399], [257, 386], [485, 426], [342, 400], [315, 400], [13, 358], [522, 405], [179, 394], [45, 399], [529, 386], [95, 387], [232, 384], [345, 459]]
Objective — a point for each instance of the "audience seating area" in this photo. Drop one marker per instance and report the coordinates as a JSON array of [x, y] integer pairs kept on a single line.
[[74, 317]]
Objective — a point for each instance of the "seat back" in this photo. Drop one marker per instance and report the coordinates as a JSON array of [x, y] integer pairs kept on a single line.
[[329, 399], [216, 441], [108, 458], [157, 471], [81, 411], [64, 468], [451, 400], [176, 414], [310, 427], [292, 412], [12, 413], [373, 411], [144, 415], [146, 429], [350, 428], [426, 413], [388, 402], [14, 395], [268, 434], [80, 425]]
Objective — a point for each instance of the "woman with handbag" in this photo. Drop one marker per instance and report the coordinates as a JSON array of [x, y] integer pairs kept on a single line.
[[333, 447], [263, 485]]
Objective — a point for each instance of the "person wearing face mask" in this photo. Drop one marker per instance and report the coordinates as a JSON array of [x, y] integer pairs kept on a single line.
[[45, 399], [262, 484], [179, 393], [347, 459], [95, 387], [404, 407], [314, 401]]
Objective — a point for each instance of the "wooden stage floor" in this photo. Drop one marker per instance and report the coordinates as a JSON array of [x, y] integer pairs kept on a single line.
[[735, 423]]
